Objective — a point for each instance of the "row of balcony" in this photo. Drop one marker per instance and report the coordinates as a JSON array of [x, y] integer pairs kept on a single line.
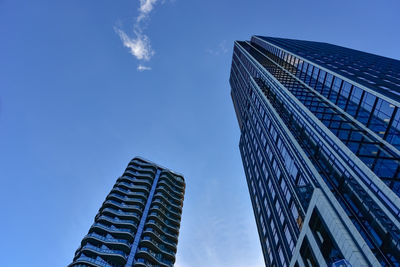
[[136, 179], [167, 232], [100, 255], [119, 213], [107, 239], [176, 197], [129, 192], [148, 241], [171, 180], [113, 229], [169, 202], [85, 261], [140, 168], [169, 215], [133, 186], [141, 163], [139, 174], [116, 220], [122, 205], [126, 198], [174, 211], [172, 224], [103, 249], [178, 186], [162, 238], [152, 256]]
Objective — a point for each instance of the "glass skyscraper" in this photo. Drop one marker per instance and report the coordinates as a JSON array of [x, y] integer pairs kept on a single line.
[[138, 223], [320, 144]]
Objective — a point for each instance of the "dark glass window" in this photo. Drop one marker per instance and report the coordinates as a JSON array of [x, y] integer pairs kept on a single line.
[[324, 239], [307, 255]]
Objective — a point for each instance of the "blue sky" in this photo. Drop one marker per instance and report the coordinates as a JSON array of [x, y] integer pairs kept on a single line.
[[74, 109]]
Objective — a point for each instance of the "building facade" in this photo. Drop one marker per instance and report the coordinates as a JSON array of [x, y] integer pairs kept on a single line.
[[138, 223], [320, 140]]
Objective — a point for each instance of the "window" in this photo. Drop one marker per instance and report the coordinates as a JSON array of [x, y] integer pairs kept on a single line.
[[269, 252], [368, 101], [325, 242], [307, 255], [281, 256], [295, 212], [263, 225], [257, 205], [261, 188], [336, 84]]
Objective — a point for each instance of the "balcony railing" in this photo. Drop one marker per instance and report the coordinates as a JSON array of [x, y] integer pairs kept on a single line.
[[104, 250], [120, 212], [126, 198], [162, 237], [160, 246], [156, 256], [108, 239], [116, 220], [98, 261], [112, 228], [129, 192], [123, 205]]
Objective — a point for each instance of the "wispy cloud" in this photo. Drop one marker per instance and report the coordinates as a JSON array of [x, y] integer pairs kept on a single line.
[[143, 68], [220, 49], [146, 6], [140, 45]]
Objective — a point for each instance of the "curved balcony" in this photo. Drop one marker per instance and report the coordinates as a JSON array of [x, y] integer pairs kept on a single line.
[[162, 218], [176, 180], [140, 162], [116, 256], [123, 206], [152, 256], [141, 169], [129, 192], [171, 194], [124, 223], [93, 262], [133, 180], [113, 229], [140, 262], [126, 198], [166, 232], [151, 243], [173, 182], [108, 241], [132, 186], [168, 215], [140, 175], [176, 212], [120, 213], [160, 237], [167, 228], [167, 200], [171, 187]]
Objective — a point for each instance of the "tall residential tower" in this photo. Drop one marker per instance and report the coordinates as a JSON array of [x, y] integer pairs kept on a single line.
[[320, 140], [138, 223]]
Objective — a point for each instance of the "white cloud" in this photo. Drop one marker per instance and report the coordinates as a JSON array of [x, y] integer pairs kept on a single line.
[[146, 6], [143, 68], [139, 47]]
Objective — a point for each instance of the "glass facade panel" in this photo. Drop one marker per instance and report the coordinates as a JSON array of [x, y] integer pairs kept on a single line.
[[311, 125]]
